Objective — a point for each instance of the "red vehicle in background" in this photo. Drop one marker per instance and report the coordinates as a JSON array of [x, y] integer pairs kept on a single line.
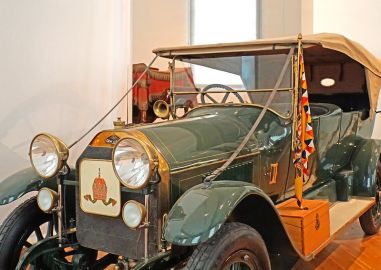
[[154, 86]]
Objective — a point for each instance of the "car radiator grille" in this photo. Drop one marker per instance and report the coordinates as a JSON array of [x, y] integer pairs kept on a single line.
[[110, 234]]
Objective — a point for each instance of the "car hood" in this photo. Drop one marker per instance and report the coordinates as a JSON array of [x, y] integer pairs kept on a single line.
[[207, 136]]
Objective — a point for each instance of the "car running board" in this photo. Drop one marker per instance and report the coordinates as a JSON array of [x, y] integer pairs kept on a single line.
[[342, 214]]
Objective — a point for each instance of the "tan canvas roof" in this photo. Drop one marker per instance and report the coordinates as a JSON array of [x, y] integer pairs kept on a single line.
[[327, 41]]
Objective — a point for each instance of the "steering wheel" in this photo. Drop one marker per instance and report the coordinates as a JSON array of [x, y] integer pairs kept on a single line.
[[218, 86]]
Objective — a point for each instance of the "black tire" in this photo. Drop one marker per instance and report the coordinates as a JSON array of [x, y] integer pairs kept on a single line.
[[234, 243], [24, 221], [370, 221]]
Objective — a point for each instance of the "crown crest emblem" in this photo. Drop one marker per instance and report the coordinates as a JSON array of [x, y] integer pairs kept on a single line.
[[99, 191]]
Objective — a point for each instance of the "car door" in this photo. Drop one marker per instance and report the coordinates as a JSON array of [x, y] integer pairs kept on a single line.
[[274, 141]]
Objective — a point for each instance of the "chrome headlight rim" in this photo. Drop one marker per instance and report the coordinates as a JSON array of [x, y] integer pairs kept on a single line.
[[61, 151], [152, 161], [53, 196], [142, 210]]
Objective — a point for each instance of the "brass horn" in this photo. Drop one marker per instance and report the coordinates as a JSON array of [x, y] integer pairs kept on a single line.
[[161, 109]]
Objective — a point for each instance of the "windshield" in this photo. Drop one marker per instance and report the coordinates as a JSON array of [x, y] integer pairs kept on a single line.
[[238, 79]]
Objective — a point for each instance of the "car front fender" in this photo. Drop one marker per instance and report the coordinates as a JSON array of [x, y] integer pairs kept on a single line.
[[22, 182], [201, 211]]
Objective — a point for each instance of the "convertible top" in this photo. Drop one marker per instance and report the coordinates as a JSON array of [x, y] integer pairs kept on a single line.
[[322, 47]]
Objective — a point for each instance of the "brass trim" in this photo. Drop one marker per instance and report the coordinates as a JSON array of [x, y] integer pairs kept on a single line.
[[273, 173], [145, 225], [244, 105], [118, 124], [296, 68], [317, 222], [192, 167], [53, 195], [171, 67], [142, 210], [228, 168], [79, 180], [161, 109], [161, 240], [232, 91], [164, 186], [163, 167], [60, 148], [152, 157], [60, 212], [99, 139]]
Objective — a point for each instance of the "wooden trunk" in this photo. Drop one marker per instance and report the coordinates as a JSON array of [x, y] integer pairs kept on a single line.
[[307, 228]]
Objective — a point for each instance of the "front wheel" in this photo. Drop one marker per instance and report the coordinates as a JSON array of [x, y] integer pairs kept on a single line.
[[20, 230], [235, 246]]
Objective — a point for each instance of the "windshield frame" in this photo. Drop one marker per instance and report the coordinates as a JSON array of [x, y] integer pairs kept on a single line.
[[291, 89]]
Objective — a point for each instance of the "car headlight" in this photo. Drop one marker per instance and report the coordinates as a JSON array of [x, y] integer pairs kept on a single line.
[[133, 214], [47, 199], [133, 163], [48, 154]]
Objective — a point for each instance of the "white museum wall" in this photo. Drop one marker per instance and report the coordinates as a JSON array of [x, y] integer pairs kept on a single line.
[[63, 64], [157, 24], [358, 20], [275, 19]]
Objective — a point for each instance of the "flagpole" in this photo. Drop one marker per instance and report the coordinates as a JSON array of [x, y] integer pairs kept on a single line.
[[299, 173], [296, 93]]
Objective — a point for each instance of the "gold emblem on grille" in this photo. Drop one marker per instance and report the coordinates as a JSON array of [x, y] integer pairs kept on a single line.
[[99, 191]]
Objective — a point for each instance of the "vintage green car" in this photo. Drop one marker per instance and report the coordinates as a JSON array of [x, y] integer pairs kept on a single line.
[[203, 189]]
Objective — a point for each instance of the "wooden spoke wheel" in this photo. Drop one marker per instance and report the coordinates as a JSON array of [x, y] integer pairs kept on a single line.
[[24, 227], [241, 260]]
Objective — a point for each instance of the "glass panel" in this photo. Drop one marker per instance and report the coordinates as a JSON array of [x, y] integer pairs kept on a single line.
[[254, 78]]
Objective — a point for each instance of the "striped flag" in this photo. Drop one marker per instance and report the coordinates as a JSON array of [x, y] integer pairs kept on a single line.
[[304, 138]]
